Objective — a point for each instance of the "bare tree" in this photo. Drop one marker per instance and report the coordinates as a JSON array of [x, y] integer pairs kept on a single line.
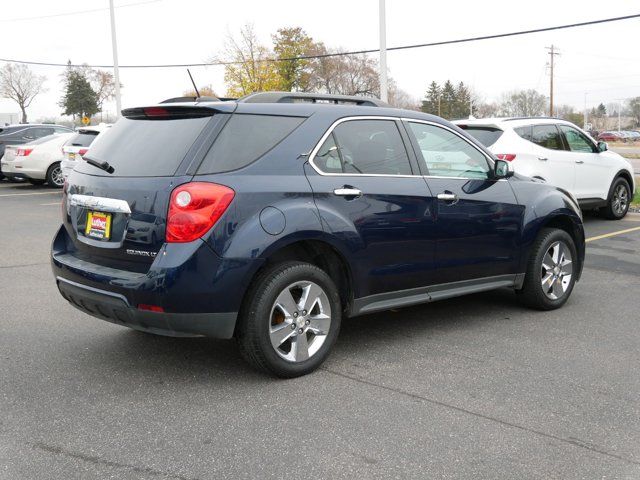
[[103, 84], [20, 84], [346, 75], [523, 103]]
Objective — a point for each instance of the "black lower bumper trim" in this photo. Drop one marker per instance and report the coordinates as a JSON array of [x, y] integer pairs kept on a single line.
[[114, 308]]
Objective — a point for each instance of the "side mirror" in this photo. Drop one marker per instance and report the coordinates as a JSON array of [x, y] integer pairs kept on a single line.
[[603, 147], [503, 169]]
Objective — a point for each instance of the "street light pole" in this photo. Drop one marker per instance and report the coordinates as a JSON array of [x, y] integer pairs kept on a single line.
[[383, 52], [116, 70], [584, 117]]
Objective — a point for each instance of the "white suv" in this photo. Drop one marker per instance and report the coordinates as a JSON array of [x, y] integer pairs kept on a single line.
[[78, 145], [560, 153]]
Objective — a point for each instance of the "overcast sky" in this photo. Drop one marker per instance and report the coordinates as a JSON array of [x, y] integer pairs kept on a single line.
[[603, 60]]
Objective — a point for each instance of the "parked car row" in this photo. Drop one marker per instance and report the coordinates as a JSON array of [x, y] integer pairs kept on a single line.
[[44, 154], [622, 136]]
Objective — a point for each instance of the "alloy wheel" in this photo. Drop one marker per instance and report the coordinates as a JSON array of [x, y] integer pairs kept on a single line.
[[556, 271], [620, 200], [56, 177], [300, 321]]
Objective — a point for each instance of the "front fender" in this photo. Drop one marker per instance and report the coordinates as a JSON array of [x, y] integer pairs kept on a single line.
[[546, 205]]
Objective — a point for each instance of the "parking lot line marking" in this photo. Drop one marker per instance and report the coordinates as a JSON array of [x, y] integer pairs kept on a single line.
[[52, 203], [22, 194], [612, 234]]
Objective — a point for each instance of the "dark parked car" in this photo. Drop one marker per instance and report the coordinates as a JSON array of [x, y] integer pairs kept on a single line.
[[21, 134], [279, 214]]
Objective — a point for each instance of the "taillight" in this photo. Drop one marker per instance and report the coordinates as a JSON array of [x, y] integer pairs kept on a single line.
[[82, 151], [509, 157], [194, 208], [24, 152]]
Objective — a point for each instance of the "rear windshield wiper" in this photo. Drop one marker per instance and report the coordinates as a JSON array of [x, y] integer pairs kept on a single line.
[[101, 165]]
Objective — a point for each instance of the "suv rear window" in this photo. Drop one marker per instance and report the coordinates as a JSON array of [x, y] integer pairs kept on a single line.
[[244, 139], [82, 139], [145, 148], [487, 136]]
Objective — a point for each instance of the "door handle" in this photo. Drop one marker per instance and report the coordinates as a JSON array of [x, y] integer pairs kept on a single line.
[[347, 191], [447, 197], [543, 159], [579, 161]]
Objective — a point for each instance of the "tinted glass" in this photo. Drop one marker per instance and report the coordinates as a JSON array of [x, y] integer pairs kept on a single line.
[[371, 147], [145, 148], [487, 136], [328, 157], [40, 132], [547, 136], [244, 139], [8, 130], [82, 139], [576, 140], [448, 155], [524, 132]]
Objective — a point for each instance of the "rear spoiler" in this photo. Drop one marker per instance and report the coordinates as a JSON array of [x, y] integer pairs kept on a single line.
[[175, 112]]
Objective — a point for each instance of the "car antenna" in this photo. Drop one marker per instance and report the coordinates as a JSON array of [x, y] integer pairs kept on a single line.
[[194, 84]]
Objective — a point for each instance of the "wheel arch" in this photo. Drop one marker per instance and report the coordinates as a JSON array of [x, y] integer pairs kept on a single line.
[[317, 252]]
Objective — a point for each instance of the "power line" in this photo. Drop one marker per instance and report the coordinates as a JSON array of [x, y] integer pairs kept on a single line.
[[339, 54], [79, 12]]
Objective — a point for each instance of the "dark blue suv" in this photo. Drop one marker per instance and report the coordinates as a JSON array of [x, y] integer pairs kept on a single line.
[[271, 218]]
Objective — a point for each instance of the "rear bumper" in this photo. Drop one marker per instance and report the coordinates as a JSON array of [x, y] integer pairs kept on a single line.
[[116, 309], [200, 292]]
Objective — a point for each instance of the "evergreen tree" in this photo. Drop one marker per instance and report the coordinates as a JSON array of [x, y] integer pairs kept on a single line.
[[447, 100], [430, 102], [602, 110], [462, 102], [79, 98]]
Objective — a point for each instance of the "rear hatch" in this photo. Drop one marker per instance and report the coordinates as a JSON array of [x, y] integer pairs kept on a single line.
[[116, 201], [79, 144]]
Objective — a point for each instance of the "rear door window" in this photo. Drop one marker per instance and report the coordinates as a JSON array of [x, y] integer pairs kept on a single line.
[[145, 148], [547, 136], [244, 139], [364, 147], [487, 136], [39, 132]]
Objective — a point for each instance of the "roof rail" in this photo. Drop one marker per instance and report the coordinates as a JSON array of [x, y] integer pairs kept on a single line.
[[304, 97], [539, 117]]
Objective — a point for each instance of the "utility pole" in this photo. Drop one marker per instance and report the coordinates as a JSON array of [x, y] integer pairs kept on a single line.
[[383, 52], [552, 53], [116, 70]]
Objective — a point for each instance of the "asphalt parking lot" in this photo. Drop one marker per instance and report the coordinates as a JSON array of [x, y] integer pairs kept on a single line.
[[476, 387]]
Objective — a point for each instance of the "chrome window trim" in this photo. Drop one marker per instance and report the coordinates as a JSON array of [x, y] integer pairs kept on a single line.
[[103, 204], [324, 137], [439, 125]]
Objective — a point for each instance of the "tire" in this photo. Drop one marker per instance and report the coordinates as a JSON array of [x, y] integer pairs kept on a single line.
[[619, 200], [55, 178], [33, 181], [265, 320], [553, 294]]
